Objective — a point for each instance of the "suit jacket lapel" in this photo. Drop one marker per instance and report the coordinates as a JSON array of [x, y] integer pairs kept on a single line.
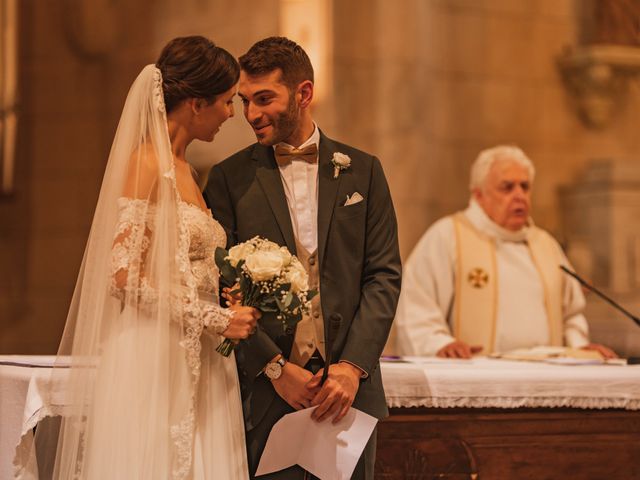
[[328, 189], [268, 175]]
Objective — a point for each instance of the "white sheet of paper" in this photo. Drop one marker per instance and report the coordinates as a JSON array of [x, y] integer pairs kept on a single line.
[[328, 451]]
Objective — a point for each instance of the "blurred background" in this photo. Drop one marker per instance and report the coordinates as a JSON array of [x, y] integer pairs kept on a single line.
[[423, 84]]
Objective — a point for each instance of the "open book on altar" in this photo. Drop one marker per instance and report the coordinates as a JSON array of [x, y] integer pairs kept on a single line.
[[559, 355]]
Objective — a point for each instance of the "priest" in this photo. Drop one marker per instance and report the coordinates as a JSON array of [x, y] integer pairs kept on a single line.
[[486, 279]]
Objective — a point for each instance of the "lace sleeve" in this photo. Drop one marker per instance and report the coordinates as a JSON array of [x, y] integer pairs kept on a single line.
[[215, 317], [129, 283]]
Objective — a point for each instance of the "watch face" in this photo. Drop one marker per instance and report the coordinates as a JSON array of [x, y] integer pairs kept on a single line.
[[273, 370]]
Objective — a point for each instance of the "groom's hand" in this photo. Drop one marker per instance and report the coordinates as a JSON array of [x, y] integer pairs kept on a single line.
[[232, 298], [292, 386], [338, 392]]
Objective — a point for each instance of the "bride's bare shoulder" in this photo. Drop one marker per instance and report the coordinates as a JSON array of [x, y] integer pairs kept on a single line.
[[142, 173], [145, 158]]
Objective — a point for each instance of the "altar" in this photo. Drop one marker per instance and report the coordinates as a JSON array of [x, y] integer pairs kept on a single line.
[[495, 419], [449, 419]]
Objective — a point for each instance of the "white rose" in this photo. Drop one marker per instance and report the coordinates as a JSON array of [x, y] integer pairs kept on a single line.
[[239, 252], [264, 265], [268, 246], [341, 160], [297, 277], [286, 255]]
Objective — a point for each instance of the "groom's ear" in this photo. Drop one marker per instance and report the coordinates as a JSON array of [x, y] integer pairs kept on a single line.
[[305, 93]]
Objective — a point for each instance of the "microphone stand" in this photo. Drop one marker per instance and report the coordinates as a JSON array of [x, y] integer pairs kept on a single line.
[[335, 319], [614, 304]]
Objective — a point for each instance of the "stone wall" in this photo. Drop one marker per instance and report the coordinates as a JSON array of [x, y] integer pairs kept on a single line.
[[423, 84], [427, 84], [77, 62], [64, 135]]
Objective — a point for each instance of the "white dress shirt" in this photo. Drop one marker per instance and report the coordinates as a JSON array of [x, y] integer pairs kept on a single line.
[[300, 182]]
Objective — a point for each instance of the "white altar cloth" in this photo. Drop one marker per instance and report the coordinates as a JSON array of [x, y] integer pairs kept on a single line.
[[23, 379], [492, 383], [427, 382]]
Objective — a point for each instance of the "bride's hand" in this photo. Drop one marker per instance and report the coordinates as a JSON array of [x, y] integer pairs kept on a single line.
[[242, 323], [232, 299]]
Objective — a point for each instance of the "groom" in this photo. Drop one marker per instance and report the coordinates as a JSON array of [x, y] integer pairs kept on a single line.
[[330, 205]]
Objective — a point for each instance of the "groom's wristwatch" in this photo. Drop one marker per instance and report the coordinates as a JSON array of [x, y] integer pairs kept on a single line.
[[273, 370]]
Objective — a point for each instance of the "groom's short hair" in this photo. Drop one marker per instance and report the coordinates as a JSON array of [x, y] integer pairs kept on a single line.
[[272, 53]]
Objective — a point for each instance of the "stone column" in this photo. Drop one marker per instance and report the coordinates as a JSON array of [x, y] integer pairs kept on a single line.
[[601, 211], [8, 92]]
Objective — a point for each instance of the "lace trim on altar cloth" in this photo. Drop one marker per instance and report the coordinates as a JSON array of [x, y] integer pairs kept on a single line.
[[515, 402], [21, 460]]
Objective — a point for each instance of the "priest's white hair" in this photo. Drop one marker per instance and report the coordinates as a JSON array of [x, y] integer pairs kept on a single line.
[[502, 153]]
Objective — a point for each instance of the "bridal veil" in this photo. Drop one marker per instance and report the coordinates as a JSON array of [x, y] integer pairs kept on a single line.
[[130, 356]]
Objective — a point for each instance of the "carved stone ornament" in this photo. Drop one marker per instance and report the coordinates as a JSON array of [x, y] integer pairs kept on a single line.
[[598, 77]]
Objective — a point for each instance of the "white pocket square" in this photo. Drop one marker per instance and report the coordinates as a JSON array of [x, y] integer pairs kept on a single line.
[[353, 199]]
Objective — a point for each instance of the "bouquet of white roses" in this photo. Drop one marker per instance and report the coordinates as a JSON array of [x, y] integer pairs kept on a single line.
[[268, 278]]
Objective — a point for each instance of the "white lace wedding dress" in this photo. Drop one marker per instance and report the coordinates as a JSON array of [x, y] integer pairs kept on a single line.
[[147, 413], [211, 444], [220, 450], [141, 391]]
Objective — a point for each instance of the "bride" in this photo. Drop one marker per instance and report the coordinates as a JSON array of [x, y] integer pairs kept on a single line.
[[149, 397]]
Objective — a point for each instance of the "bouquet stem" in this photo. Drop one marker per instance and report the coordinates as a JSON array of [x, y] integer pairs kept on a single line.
[[226, 347]]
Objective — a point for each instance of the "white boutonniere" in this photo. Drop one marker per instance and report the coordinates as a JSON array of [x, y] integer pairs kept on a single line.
[[340, 162]]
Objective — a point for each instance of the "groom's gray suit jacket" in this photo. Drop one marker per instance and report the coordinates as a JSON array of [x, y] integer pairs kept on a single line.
[[360, 268]]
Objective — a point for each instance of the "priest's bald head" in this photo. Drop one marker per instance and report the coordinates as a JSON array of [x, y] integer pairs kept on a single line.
[[501, 179]]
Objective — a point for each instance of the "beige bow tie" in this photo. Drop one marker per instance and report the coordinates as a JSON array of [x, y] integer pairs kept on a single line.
[[284, 154]]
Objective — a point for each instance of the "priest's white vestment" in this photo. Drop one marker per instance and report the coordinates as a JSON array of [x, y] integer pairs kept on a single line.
[[532, 302]]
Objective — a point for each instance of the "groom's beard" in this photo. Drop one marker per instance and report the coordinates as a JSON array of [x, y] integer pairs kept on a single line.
[[284, 124]]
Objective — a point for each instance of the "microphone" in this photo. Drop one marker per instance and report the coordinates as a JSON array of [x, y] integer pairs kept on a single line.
[[600, 294], [631, 360], [335, 319]]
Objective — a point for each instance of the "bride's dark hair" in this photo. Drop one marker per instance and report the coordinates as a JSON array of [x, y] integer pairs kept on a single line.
[[194, 67]]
